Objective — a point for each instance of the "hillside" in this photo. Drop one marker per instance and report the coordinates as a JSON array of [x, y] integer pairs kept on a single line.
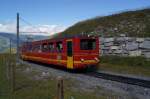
[[131, 23], [5, 40]]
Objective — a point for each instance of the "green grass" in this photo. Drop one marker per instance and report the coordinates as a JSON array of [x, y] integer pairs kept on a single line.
[[126, 65], [29, 88], [131, 61]]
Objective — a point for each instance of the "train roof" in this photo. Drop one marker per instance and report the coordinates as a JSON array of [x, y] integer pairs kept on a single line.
[[62, 38]]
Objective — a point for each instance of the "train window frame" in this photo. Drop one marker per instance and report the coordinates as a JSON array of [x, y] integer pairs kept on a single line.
[[36, 48], [44, 49], [29, 47], [87, 44], [59, 46], [53, 47]]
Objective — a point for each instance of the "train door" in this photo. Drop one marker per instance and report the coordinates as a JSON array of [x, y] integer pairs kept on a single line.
[[69, 54]]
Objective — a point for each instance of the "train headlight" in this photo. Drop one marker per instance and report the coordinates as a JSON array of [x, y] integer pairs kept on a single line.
[[82, 60], [96, 59]]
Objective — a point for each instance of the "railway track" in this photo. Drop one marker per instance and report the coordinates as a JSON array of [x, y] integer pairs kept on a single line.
[[119, 78], [122, 79]]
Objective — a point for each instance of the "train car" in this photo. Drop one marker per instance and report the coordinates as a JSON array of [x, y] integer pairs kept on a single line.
[[71, 53]]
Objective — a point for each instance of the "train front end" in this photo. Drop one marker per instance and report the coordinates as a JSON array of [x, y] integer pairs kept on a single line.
[[86, 52]]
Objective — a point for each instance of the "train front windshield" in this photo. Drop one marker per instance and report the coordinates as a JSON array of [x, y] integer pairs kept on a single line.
[[88, 44]]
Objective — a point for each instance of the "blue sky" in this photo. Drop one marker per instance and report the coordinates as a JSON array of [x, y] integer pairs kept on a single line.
[[63, 12]]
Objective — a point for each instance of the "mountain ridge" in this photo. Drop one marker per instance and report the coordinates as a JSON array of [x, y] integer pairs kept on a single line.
[[132, 23]]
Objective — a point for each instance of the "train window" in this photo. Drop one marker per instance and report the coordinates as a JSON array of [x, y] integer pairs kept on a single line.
[[51, 47], [37, 48], [29, 47], [44, 47], [87, 44], [59, 47]]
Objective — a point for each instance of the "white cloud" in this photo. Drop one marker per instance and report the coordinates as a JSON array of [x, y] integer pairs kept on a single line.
[[10, 27], [45, 29]]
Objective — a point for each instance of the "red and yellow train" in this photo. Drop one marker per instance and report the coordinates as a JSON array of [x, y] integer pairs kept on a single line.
[[71, 53]]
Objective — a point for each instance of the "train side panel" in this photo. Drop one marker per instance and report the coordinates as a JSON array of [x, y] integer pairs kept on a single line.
[[71, 55]]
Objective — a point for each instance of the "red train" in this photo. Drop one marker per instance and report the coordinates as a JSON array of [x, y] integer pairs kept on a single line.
[[71, 53]]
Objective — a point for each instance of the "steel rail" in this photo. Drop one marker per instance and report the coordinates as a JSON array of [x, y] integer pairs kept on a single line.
[[122, 79]]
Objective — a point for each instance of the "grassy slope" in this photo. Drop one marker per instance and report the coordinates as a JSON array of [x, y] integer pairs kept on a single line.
[[138, 66], [133, 23], [4, 88], [28, 88]]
